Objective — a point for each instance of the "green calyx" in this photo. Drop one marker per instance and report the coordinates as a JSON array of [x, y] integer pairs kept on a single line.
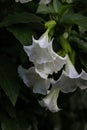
[[67, 47], [65, 44], [50, 24], [50, 27]]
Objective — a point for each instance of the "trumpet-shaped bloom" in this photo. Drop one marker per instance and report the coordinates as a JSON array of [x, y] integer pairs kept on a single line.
[[44, 1], [71, 79], [50, 101], [23, 1], [32, 79], [41, 53]]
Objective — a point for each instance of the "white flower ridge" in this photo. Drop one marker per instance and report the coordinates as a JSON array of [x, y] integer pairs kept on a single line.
[[70, 69], [33, 80], [45, 69], [82, 81], [41, 53], [70, 79], [23, 1]]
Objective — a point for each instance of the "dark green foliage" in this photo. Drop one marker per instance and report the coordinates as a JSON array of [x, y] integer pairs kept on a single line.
[[9, 79], [19, 107]]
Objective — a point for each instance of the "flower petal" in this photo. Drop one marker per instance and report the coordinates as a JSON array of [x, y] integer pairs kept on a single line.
[[32, 79], [70, 69], [45, 69], [65, 83], [41, 53], [70, 79], [50, 101], [83, 75], [82, 80]]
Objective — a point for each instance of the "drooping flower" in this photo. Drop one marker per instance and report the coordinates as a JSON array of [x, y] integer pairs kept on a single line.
[[33, 80], [50, 101], [23, 1], [70, 79], [44, 1], [41, 53]]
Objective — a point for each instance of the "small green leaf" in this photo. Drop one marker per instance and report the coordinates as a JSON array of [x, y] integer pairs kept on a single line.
[[44, 9], [81, 44], [78, 19], [64, 9], [9, 81], [24, 34], [56, 5]]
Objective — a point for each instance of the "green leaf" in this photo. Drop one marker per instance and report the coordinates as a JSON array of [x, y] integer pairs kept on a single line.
[[81, 44], [23, 34], [75, 19], [22, 17], [9, 81], [44, 9], [64, 9], [56, 5]]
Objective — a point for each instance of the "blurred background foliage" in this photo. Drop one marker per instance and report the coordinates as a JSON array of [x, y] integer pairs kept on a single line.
[[19, 107]]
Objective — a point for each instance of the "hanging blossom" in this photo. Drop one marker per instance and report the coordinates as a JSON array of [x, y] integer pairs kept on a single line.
[[50, 101], [46, 61], [33, 80], [23, 1], [41, 53], [68, 82], [70, 79], [40, 86]]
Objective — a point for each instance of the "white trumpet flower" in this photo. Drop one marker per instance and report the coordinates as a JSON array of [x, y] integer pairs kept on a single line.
[[70, 79], [32, 79], [50, 101], [41, 53]]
